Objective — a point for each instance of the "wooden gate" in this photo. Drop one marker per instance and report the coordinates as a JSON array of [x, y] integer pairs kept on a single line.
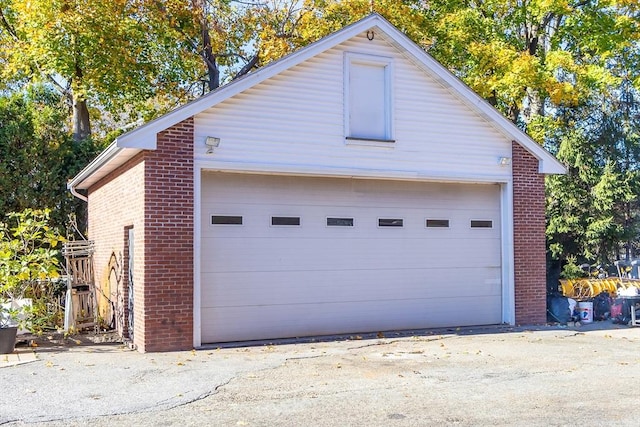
[[80, 308]]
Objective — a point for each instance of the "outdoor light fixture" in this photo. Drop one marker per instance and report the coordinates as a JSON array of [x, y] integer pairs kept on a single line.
[[211, 142], [504, 161]]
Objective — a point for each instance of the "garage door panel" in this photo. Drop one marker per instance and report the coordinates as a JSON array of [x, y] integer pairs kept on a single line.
[[333, 318], [286, 190], [298, 287], [313, 220], [412, 229], [260, 281], [284, 254]]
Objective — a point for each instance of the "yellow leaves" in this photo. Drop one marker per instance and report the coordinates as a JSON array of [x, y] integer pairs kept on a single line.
[[273, 49], [560, 59], [502, 69], [495, 55], [562, 93], [540, 126], [543, 7], [567, 81], [525, 69], [633, 5]]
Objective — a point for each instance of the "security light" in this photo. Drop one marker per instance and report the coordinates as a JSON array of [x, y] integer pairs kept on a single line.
[[211, 142]]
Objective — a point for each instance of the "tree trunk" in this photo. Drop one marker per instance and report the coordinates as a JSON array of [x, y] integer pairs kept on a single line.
[[81, 121], [212, 67], [213, 72], [535, 105]]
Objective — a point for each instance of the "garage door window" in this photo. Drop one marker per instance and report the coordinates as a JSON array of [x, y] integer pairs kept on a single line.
[[437, 223], [226, 220], [286, 221], [339, 222], [390, 222], [481, 223]]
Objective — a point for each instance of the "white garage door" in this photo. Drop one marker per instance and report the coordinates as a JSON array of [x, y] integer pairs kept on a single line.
[[294, 256]]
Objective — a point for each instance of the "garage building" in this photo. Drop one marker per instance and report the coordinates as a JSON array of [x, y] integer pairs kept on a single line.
[[353, 186]]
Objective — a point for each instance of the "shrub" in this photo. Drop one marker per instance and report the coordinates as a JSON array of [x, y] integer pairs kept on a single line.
[[29, 261]]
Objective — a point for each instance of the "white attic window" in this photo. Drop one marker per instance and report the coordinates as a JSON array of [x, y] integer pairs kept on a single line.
[[368, 98]]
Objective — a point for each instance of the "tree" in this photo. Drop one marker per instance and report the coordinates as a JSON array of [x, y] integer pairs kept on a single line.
[[37, 156], [28, 261], [212, 34], [593, 211], [105, 51], [286, 25], [124, 58]]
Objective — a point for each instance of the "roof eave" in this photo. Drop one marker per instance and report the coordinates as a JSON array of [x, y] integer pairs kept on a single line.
[[113, 156]]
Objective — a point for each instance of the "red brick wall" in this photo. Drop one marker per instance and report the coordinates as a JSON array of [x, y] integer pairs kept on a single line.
[[153, 194], [115, 203], [529, 238], [167, 300]]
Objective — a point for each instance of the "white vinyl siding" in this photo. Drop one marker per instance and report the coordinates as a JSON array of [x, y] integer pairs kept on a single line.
[[259, 281], [295, 123]]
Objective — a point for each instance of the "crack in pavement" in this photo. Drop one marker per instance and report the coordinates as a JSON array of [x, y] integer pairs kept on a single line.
[[571, 335], [381, 343], [202, 396], [305, 357], [162, 405]]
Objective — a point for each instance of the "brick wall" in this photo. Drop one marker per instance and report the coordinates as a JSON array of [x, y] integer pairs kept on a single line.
[[167, 302], [529, 238], [152, 194], [116, 203]]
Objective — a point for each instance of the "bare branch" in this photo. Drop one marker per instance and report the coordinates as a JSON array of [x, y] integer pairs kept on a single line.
[[248, 66], [9, 28], [63, 90], [189, 40]]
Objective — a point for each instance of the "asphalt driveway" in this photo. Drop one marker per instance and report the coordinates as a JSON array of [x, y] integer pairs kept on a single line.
[[472, 376]]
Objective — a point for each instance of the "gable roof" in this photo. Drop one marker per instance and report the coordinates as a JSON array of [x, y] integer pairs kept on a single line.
[[144, 137]]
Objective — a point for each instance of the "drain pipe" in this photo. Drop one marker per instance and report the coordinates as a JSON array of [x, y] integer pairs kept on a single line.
[[73, 191], [103, 158]]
